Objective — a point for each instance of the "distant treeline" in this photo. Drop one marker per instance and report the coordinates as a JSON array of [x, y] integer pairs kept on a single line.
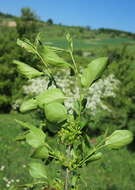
[[116, 32], [4, 15]]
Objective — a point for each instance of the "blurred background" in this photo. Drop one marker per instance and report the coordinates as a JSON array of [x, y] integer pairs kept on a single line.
[[98, 28]]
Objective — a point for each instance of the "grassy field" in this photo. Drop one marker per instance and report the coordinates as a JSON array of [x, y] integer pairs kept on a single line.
[[114, 172], [88, 44]]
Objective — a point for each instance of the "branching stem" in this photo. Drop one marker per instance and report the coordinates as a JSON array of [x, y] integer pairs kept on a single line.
[[67, 177]]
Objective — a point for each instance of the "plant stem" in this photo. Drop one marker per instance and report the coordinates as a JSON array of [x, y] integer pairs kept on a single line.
[[49, 71], [66, 185], [46, 65], [75, 65], [66, 179]]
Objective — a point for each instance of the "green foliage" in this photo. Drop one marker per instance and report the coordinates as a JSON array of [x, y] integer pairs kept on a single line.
[[122, 65], [27, 71], [118, 139], [73, 150], [55, 112], [50, 21], [49, 96], [50, 57], [28, 105], [35, 137], [27, 24], [7, 71], [27, 14], [93, 71], [41, 152], [37, 169], [10, 80], [26, 45], [108, 171]]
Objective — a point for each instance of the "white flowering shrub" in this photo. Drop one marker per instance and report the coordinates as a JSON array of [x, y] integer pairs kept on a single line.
[[103, 88]]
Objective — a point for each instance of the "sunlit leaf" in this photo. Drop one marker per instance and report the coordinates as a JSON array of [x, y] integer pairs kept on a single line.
[[28, 105], [51, 57], [93, 71], [37, 169], [26, 45], [36, 137], [28, 71], [50, 95], [55, 112], [25, 124]]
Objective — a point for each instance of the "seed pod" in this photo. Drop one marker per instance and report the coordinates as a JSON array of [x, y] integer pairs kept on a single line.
[[96, 156], [118, 139]]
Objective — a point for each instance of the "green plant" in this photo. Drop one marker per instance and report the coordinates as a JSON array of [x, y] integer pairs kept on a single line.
[[73, 149]]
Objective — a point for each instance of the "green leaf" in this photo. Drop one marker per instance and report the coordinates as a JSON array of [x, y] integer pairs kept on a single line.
[[85, 147], [28, 71], [55, 112], [37, 169], [49, 96], [41, 152], [70, 41], [53, 128], [36, 137], [93, 71], [25, 124], [118, 139], [58, 50], [28, 105], [51, 57], [27, 45], [83, 122], [76, 107], [21, 137]]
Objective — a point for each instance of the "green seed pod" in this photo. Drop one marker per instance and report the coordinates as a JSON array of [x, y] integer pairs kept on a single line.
[[28, 105], [118, 139], [96, 156]]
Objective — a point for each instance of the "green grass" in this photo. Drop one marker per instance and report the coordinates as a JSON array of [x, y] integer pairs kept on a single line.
[[114, 172], [88, 44]]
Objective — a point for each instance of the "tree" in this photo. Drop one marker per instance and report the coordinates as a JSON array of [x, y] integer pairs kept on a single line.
[[50, 21], [28, 15], [27, 24]]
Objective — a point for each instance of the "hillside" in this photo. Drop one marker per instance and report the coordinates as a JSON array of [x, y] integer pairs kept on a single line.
[[84, 37]]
